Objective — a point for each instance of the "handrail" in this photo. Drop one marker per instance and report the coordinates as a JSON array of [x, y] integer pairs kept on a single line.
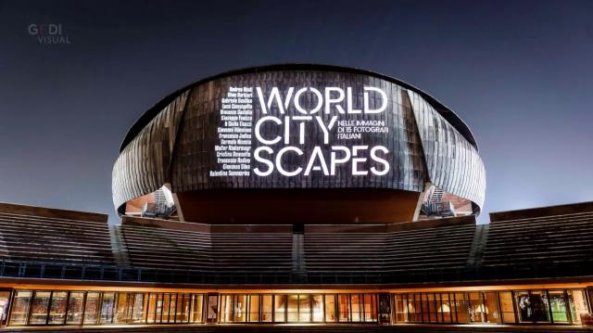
[[81, 271]]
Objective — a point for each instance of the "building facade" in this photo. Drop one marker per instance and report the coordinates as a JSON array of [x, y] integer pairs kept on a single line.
[[297, 198]]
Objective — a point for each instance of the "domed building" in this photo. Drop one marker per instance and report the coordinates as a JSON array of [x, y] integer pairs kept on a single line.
[[297, 198], [302, 143]]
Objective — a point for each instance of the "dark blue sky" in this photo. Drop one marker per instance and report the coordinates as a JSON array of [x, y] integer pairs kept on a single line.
[[519, 73]]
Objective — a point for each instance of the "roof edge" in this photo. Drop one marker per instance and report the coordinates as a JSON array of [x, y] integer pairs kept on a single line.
[[565, 209], [446, 112], [26, 210]]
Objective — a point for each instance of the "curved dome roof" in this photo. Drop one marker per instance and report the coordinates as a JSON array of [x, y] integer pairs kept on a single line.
[[300, 126], [446, 112]]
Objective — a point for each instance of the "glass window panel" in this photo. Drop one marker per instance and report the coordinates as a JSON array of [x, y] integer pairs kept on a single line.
[[293, 308], [370, 307], [578, 304], [445, 309], [165, 308], [107, 310], [330, 308], [20, 307], [197, 309], [4, 297], [266, 315], [400, 304], [240, 308], [418, 306], [91, 309], [532, 306], [75, 308], [558, 306], [344, 307], [506, 306], [254, 308], [280, 308], [183, 305], [461, 307], [432, 307], [227, 308], [172, 307], [57, 308], [356, 308], [212, 308], [151, 315], [136, 308], [121, 308], [476, 308], [490, 309], [305, 308], [39, 308], [160, 298], [317, 308], [425, 308]]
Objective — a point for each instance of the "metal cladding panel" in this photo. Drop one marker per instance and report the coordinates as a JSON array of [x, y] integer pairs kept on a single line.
[[453, 163], [196, 154], [142, 166]]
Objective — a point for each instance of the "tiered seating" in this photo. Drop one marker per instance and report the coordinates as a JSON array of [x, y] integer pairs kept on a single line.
[[444, 246], [156, 247], [418, 247], [344, 251], [57, 236], [257, 251], [540, 240]]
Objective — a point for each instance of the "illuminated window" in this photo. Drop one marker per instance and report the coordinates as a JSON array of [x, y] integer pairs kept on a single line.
[[293, 308], [39, 308], [370, 307], [138, 308], [57, 308], [558, 305], [578, 304], [280, 302], [445, 310], [182, 312], [330, 308], [305, 308], [4, 297], [107, 308], [317, 303], [240, 308], [356, 307], [152, 305], [75, 308], [267, 307], [344, 307], [489, 310], [532, 306], [91, 311], [254, 308], [461, 307], [197, 308], [506, 306], [20, 307]]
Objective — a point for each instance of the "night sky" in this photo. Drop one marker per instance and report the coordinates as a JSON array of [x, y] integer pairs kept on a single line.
[[519, 73]]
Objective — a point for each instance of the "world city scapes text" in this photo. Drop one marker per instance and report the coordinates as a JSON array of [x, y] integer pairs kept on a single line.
[[322, 110], [301, 132]]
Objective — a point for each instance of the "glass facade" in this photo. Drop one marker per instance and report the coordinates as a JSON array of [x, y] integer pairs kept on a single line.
[[4, 299], [58, 307], [100, 308], [564, 306], [298, 308]]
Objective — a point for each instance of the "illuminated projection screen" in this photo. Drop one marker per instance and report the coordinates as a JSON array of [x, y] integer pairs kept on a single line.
[[298, 129]]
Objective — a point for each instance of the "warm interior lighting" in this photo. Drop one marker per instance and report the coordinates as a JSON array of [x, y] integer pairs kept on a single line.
[[445, 308]]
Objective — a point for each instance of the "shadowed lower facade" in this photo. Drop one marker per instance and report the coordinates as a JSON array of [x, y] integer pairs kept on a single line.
[[297, 198]]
